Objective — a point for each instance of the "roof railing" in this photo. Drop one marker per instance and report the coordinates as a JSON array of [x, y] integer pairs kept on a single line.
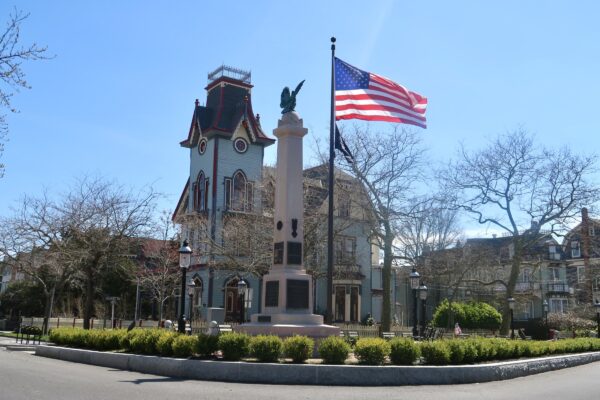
[[230, 72]]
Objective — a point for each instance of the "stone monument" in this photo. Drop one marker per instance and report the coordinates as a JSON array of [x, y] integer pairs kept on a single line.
[[287, 300]]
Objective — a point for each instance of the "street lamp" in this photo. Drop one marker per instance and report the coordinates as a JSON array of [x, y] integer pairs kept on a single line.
[[423, 297], [191, 287], [185, 258], [597, 307], [545, 307], [511, 306], [414, 278], [242, 287]]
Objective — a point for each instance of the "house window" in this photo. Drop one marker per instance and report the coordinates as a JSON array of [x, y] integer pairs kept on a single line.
[[200, 193], [560, 306], [344, 207], [525, 276], [345, 250], [553, 274], [239, 193], [524, 310], [575, 250], [592, 231], [580, 273]]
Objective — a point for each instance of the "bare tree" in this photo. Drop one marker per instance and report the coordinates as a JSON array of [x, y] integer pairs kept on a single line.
[[31, 242], [158, 269], [80, 235], [387, 165], [12, 76], [519, 188], [430, 227]]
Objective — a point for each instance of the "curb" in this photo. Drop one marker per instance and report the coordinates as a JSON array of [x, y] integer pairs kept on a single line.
[[311, 374]]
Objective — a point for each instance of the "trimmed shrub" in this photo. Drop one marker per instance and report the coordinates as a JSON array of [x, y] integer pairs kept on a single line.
[[145, 342], [207, 345], [334, 350], [457, 351], [298, 348], [436, 353], [266, 348], [234, 346], [183, 346], [164, 346], [372, 351], [404, 351], [472, 315]]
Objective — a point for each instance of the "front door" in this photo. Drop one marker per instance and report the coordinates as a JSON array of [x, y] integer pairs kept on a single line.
[[232, 302]]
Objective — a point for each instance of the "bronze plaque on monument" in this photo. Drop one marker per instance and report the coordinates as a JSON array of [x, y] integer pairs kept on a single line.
[[294, 255], [278, 253], [272, 294], [297, 294]]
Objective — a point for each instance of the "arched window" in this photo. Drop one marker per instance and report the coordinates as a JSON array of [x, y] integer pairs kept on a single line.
[[201, 193], [239, 193]]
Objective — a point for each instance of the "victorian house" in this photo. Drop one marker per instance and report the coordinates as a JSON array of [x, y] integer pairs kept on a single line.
[[225, 212]]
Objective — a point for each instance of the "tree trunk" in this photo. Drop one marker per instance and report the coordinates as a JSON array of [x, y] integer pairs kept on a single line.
[[88, 307], [386, 308], [510, 288]]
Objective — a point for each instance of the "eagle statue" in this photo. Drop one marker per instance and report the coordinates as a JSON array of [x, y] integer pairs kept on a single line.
[[288, 101]]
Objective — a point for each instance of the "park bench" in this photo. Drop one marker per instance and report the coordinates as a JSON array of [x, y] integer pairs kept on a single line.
[[388, 335], [225, 328]]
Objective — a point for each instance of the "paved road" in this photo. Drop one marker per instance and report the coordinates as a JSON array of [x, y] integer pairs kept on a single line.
[[24, 376]]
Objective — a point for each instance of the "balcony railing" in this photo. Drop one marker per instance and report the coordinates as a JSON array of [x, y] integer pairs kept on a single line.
[[557, 287]]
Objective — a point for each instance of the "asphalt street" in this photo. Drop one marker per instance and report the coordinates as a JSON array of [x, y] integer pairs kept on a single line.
[[24, 376]]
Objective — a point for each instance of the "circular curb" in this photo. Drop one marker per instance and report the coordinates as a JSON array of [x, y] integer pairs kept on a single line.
[[311, 374]]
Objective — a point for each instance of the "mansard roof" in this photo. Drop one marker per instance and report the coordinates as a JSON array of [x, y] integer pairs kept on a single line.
[[228, 105]]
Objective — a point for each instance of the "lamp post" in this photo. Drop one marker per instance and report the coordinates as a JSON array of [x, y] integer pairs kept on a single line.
[[185, 258], [597, 307], [511, 306], [423, 297], [414, 278], [242, 287], [545, 307], [191, 287]]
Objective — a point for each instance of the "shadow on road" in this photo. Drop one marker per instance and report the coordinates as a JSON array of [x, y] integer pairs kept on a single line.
[[154, 380]]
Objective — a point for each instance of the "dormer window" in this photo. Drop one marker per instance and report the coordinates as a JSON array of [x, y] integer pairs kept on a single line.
[[239, 193]]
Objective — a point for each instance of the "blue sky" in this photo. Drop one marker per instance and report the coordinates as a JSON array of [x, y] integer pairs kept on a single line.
[[118, 97]]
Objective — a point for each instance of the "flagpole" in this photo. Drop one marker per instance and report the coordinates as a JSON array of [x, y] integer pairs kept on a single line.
[[329, 315]]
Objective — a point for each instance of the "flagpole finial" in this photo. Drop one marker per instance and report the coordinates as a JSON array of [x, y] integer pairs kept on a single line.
[[333, 43]]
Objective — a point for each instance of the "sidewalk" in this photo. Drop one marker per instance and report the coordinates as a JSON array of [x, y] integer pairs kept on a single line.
[[11, 343]]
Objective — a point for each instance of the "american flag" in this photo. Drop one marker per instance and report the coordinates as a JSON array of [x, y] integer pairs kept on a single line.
[[371, 97]]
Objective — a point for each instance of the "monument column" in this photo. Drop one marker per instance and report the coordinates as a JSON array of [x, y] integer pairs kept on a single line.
[[287, 301]]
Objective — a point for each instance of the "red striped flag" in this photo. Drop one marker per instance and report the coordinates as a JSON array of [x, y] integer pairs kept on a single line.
[[363, 95]]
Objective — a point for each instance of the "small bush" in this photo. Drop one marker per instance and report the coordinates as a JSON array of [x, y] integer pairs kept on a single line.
[[266, 348], [164, 346], [183, 346], [334, 350], [472, 315], [207, 345], [234, 346], [404, 351], [372, 351], [436, 353], [146, 341], [298, 348], [457, 351]]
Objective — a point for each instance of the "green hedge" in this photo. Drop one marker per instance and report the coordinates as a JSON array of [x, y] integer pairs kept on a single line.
[[472, 315], [333, 350]]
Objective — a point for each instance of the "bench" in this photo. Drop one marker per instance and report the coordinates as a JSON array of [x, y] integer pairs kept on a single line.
[[388, 335], [225, 328]]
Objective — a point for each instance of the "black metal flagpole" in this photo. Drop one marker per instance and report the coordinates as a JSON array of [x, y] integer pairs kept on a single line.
[[329, 316]]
